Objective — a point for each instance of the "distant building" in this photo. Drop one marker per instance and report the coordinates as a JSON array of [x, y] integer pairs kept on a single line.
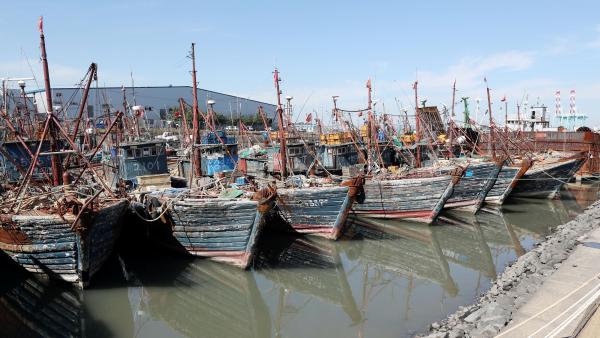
[[158, 102]]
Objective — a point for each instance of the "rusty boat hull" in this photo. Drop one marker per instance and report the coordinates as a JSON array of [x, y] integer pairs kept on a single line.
[[225, 230], [47, 244], [413, 199], [477, 180], [544, 180], [320, 211], [508, 177]]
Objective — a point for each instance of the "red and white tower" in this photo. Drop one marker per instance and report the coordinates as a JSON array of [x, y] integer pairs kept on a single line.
[[572, 107]]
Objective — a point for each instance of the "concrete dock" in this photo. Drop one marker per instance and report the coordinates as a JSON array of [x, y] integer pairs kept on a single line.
[[559, 306]]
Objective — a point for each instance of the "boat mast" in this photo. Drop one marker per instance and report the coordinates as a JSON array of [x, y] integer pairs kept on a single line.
[[91, 75], [452, 113], [282, 150], [418, 125], [197, 153], [369, 124], [55, 160], [491, 138]]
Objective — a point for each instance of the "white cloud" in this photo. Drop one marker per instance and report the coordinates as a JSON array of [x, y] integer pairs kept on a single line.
[[469, 72]]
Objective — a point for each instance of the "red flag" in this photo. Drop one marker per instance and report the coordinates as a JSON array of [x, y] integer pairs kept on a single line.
[[369, 84], [276, 76], [309, 118], [41, 24]]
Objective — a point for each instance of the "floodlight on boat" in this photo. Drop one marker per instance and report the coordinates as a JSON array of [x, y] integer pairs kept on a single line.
[[137, 108], [210, 102], [21, 83]]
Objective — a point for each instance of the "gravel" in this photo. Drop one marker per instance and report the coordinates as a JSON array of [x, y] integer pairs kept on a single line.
[[518, 282]]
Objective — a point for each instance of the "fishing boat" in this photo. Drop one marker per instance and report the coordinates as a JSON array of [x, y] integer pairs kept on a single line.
[[210, 218], [317, 206], [65, 230], [416, 194], [545, 177]]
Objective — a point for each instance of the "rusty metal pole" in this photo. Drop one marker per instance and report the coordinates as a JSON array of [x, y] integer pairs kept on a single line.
[[186, 132], [83, 157], [27, 112], [197, 152], [418, 125], [82, 105], [491, 137], [84, 97], [282, 146], [451, 127], [369, 126], [55, 160], [505, 114], [99, 145]]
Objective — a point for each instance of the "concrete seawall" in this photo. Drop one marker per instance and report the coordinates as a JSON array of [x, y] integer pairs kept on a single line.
[[515, 294]]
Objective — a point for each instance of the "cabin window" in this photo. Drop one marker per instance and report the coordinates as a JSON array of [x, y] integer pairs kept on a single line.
[[130, 153], [146, 151], [154, 151], [138, 152]]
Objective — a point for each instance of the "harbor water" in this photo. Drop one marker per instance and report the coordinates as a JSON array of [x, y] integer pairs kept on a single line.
[[382, 279]]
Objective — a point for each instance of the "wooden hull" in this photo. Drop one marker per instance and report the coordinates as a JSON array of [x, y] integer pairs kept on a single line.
[[318, 211], [223, 230], [470, 192], [505, 183], [545, 180], [44, 243], [415, 199]]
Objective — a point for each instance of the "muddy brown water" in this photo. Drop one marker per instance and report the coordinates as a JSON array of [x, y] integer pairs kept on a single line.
[[383, 279]]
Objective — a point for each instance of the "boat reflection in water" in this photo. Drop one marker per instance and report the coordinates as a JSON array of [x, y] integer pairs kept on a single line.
[[31, 306], [174, 296], [305, 272], [34, 306]]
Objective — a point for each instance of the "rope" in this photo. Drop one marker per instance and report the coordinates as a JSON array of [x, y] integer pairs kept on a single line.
[[166, 206]]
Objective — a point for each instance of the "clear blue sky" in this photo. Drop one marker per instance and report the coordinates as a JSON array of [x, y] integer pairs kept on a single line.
[[322, 48]]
